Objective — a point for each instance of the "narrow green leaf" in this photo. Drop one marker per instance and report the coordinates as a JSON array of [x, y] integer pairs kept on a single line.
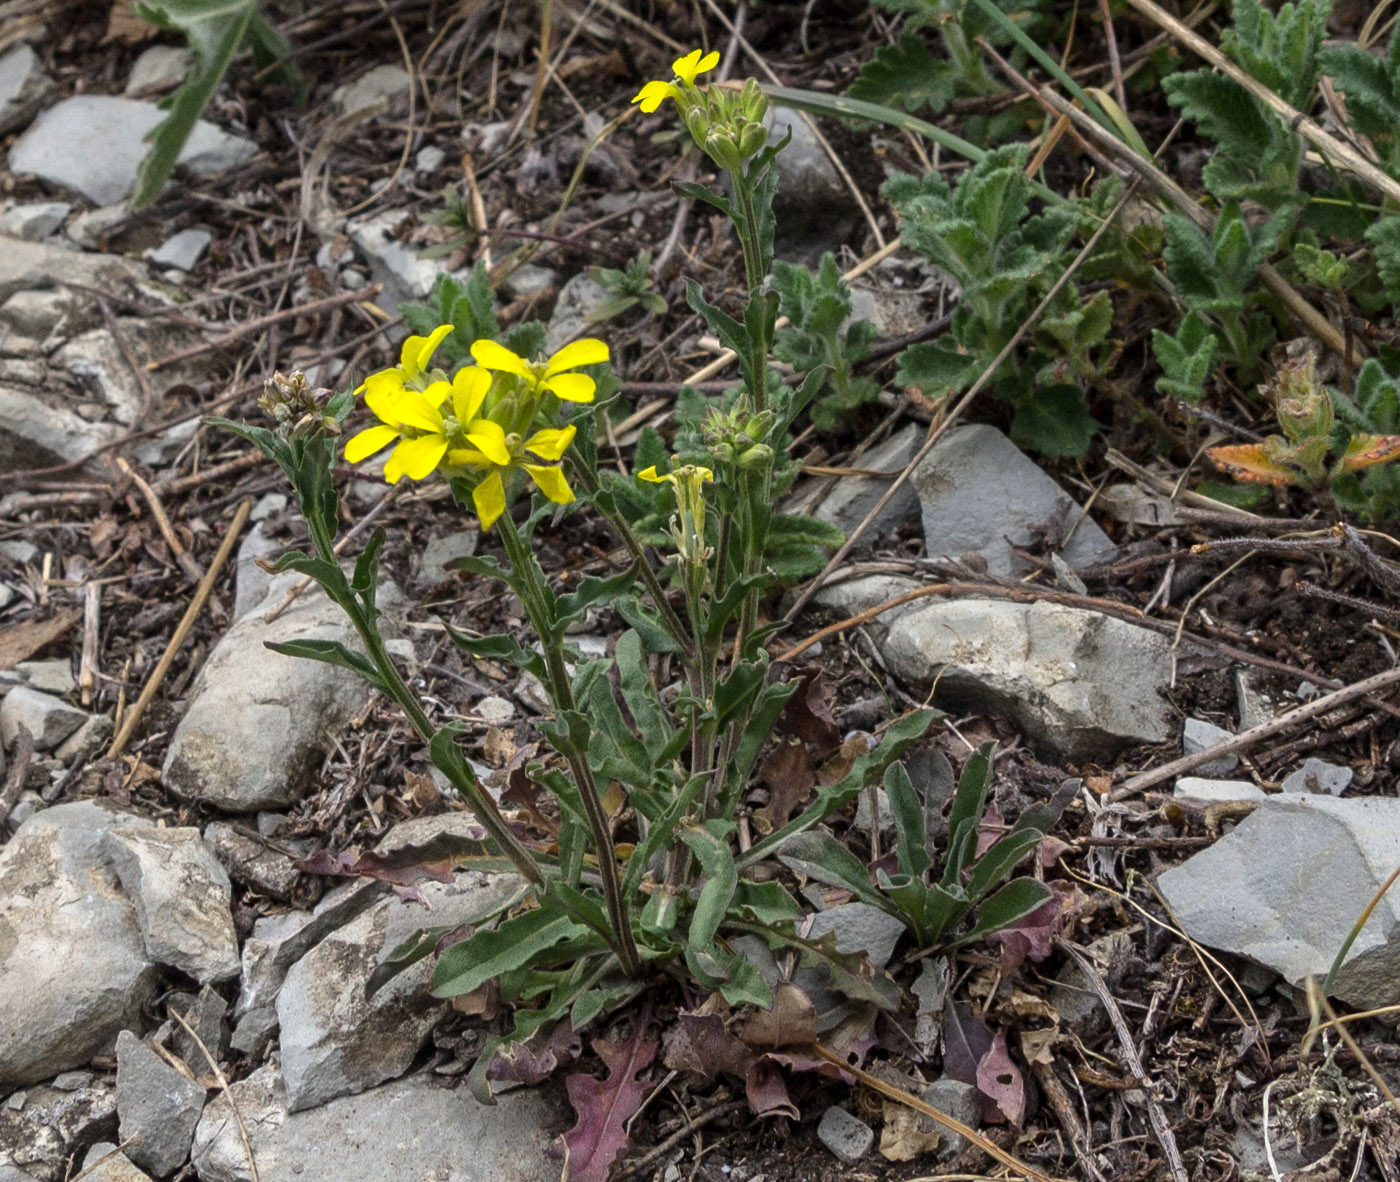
[[514, 945]]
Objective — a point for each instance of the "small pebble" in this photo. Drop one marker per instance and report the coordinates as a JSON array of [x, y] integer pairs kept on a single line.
[[848, 1137], [1317, 775], [1198, 735]]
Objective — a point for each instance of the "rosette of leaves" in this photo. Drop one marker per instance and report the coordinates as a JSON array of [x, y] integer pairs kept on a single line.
[[818, 304], [1004, 257], [629, 288]]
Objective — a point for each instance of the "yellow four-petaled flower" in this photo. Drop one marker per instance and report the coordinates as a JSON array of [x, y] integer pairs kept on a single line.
[[687, 69]]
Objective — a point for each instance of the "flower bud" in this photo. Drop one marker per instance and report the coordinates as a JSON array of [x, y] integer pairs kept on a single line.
[[752, 137], [697, 122], [752, 101], [760, 455], [720, 148]]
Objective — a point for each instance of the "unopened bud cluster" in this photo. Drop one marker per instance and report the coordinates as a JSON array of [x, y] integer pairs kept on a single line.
[[299, 409], [731, 131], [738, 437]]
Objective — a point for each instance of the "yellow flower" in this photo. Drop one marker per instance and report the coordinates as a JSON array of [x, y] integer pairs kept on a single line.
[[547, 375], [489, 495], [413, 363], [687, 69], [415, 419], [688, 524]]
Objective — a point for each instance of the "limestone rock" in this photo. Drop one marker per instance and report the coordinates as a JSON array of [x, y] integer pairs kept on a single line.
[[1286, 884], [49, 720], [157, 1107], [104, 1163], [1317, 775], [385, 81], [257, 721], [73, 971], [1081, 684], [1198, 735], [334, 1039], [182, 898], [851, 497], [183, 250], [36, 221], [94, 145], [573, 311], [981, 495], [410, 1129], [1205, 791], [159, 68], [42, 1127], [847, 1136]]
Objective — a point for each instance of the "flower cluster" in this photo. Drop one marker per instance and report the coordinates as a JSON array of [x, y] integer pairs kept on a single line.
[[299, 409], [480, 425], [727, 125]]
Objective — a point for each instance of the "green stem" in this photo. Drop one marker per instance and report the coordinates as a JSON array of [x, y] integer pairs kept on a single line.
[[535, 599]]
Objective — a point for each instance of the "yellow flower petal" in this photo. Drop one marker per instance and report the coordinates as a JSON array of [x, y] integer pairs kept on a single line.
[[588, 351], [489, 497], [367, 442], [571, 387], [437, 392], [490, 355], [550, 443], [469, 457], [418, 351], [653, 94], [688, 67], [414, 410], [469, 386], [651, 474], [551, 482], [490, 439], [416, 458], [386, 384]]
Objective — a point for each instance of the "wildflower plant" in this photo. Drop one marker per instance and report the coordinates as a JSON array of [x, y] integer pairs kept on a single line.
[[634, 866]]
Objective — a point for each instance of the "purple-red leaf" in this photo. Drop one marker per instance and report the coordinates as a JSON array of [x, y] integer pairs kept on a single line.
[[604, 1106], [999, 1079], [766, 1090], [536, 1059], [702, 1043]]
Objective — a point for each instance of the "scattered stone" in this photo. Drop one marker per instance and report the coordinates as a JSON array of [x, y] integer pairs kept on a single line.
[[859, 927], [94, 144], [1081, 684], [159, 68], [252, 583], [183, 250], [334, 1039], [847, 1136], [981, 495], [268, 504], [74, 971], [490, 137], [1317, 775], [50, 720], [813, 207], [50, 677], [253, 863], [413, 1128], [849, 596], [1134, 505], [1198, 735], [279, 941], [48, 1126], [35, 221], [17, 550], [72, 1081], [1254, 708], [86, 741], [100, 1167], [25, 807], [255, 1032], [381, 82], [574, 308], [530, 280], [850, 498], [254, 729], [406, 276], [1207, 791], [205, 1016], [90, 227], [494, 711], [1288, 882], [157, 1107], [1073, 995], [429, 160], [182, 898], [21, 81], [893, 312], [958, 1100], [433, 564]]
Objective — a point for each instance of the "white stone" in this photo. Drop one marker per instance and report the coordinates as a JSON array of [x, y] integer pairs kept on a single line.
[[94, 144], [159, 68], [494, 711], [1197, 735], [381, 82], [573, 312], [35, 221], [88, 228], [49, 720], [1217, 791], [50, 677], [1317, 775], [429, 160], [182, 250]]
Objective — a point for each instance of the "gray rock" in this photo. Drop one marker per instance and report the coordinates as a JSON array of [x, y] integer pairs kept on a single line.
[[1317, 775], [94, 144], [157, 1107], [49, 677], [1081, 684], [494, 711], [1254, 708], [86, 741], [334, 1039], [891, 311], [39, 266], [380, 82], [1207, 791], [813, 207], [253, 863], [432, 565], [182, 898], [35, 221], [159, 68], [530, 280], [74, 971], [1285, 886], [206, 1018], [279, 941], [413, 1128], [21, 82], [1073, 994], [574, 308], [47, 1126], [182, 250], [35, 433], [1198, 735], [850, 596], [89, 228], [72, 1081], [429, 160], [859, 927], [852, 497], [255, 1032], [847, 1136], [18, 550], [50, 720], [15, 1174], [255, 726], [958, 1100], [251, 582], [1134, 505], [406, 276], [981, 495], [105, 1163]]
